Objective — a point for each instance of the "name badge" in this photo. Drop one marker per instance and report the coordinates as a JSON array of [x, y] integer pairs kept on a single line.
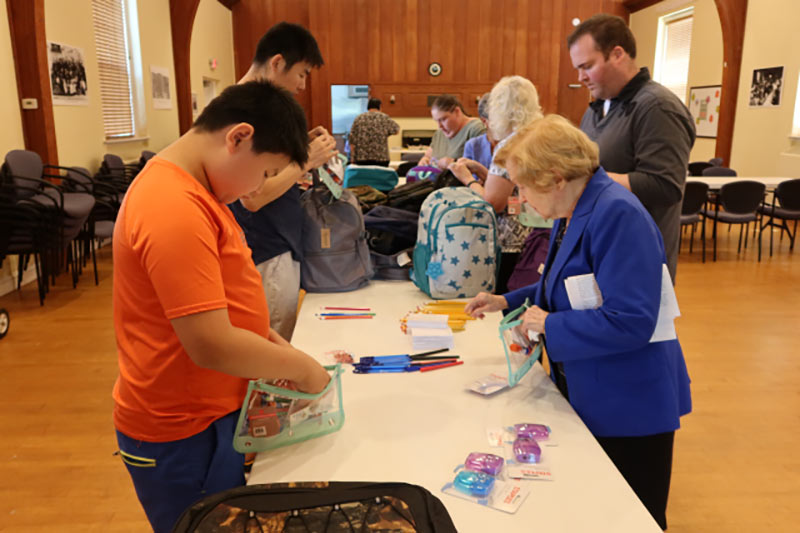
[[514, 207]]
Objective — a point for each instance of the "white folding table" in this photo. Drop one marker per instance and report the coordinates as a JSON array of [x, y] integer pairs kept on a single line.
[[416, 427]]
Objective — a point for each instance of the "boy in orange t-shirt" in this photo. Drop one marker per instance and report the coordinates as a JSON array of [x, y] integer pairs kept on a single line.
[[190, 316]]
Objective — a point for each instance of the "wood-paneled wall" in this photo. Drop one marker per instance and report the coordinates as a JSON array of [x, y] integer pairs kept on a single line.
[[251, 19], [389, 44]]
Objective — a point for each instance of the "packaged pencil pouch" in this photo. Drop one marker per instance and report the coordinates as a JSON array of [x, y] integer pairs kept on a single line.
[[272, 416]]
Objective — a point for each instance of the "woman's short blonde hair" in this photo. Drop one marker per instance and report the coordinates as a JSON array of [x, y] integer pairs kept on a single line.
[[513, 103], [548, 147]]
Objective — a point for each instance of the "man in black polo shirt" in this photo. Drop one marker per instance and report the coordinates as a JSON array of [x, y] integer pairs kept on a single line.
[[271, 217], [644, 131]]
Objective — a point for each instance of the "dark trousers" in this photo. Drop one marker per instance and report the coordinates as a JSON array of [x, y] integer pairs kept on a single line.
[[646, 464], [171, 476], [507, 263]]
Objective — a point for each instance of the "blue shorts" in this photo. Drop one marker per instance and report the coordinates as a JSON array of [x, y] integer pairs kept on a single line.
[[171, 476]]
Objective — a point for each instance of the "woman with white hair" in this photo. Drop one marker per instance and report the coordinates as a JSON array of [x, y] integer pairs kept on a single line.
[[513, 104]]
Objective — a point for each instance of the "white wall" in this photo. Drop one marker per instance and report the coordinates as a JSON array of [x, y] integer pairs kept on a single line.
[[212, 38], [80, 138], [762, 145], [11, 137], [705, 62], [761, 142]]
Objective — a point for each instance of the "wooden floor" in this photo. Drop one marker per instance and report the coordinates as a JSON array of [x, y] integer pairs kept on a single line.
[[737, 457]]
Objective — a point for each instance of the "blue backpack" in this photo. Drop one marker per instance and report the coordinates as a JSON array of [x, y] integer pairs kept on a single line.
[[457, 250]]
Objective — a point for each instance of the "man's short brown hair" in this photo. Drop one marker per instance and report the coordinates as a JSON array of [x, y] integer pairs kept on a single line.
[[608, 31], [447, 103]]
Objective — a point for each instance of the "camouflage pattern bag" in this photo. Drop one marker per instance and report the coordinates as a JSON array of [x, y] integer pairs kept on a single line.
[[318, 507]]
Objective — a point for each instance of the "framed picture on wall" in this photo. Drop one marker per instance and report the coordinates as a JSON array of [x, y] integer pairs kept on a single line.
[[766, 87], [159, 78], [67, 74], [704, 106]]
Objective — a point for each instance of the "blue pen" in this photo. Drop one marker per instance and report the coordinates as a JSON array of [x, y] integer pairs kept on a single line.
[[383, 369], [384, 359]]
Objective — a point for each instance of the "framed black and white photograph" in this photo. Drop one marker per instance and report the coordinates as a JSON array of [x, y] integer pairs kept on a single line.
[[767, 87], [159, 78], [67, 74]]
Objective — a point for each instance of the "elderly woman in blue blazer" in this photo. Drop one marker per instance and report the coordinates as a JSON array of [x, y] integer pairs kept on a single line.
[[629, 386]]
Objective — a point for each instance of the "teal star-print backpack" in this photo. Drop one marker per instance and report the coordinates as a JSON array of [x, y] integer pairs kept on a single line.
[[457, 251]]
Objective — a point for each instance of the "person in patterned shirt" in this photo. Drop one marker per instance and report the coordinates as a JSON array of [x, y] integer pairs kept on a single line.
[[368, 135]]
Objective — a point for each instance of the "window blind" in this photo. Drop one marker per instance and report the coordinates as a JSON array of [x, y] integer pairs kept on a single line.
[[675, 61], [111, 41]]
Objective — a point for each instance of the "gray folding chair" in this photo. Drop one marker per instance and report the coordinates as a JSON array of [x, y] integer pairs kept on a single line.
[[785, 206], [694, 198], [740, 201]]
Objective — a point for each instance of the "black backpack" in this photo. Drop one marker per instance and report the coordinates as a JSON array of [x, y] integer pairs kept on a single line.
[[410, 196], [391, 232], [446, 178], [319, 507]]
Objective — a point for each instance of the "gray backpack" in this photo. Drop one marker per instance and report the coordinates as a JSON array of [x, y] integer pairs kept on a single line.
[[335, 253]]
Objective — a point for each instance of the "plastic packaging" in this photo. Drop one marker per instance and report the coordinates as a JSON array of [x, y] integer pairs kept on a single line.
[[539, 432], [488, 463], [527, 450], [474, 483]]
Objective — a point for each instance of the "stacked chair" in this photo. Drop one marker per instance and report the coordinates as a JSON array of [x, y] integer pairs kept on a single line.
[[52, 215]]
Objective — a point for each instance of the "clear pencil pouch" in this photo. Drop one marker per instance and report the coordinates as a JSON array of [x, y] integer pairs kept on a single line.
[[521, 351], [272, 416]]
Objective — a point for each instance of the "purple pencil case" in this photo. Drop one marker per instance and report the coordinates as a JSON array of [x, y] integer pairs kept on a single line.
[[488, 463]]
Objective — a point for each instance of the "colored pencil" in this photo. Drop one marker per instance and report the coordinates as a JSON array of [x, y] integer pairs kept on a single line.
[[348, 308], [436, 367], [346, 314], [432, 352], [437, 362], [343, 317]]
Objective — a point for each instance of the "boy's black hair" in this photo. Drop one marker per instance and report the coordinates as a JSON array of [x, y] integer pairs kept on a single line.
[[278, 121], [292, 41], [374, 103]]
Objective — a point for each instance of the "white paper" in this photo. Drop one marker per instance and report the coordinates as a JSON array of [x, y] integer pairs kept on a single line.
[[667, 310], [583, 292], [495, 436], [427, 320], [431, 338]]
